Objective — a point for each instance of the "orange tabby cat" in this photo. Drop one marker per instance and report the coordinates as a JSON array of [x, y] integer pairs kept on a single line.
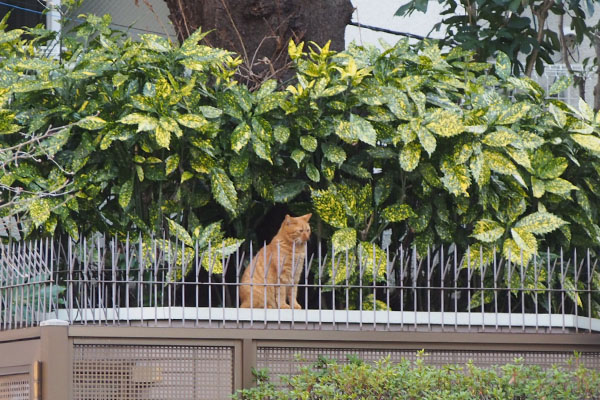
[[274, 264]]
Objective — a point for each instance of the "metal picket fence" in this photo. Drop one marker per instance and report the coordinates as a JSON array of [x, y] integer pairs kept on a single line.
[[159, 282]]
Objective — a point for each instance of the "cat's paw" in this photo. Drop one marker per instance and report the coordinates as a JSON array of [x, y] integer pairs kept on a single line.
[[297, 306], [284, 306]]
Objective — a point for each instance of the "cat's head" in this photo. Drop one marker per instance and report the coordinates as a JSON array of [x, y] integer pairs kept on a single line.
[[296, 229]]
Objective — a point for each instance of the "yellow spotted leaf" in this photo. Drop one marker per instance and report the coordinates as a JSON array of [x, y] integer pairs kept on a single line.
[[487, 230], [445, 123]]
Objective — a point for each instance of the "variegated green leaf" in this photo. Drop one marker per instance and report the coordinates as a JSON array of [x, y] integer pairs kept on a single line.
[[192, 121], [308, 143], [179, 232], [266, 88], [538, 187], [383, 189], [404, 133], [329, 207], [479, 255], [312, 172], [398, 103], [212, 260], [524, 240], [240, 137], [562, 83], [288, 191], [39, 211], [487, 230], [430, 175], [462, 152], [510, 115], [409, 156], [223, 190], [298, 156], [362, 130], [417, 97], [585, 110], [398, 213], [170, 125], [516, 255], [269, 103], [587, 141], [520, 156], [163, 137], [171, 164], [380, 305], [374, 261], [572, 291], [584, 201], [229, 104], [125, 193], [529, 140], [503, 65], [456, 178], [210, 112], [540, 222], [144, 122], [559, 186], [479, 169], [262, 149], [281, 133], [344, 132], [211, 235], [547, 166], [140, 173], [499, 163], [560, 117], [261, 129], [501, 137], [238, 165], [445, 123], [344, 239], [91, 123], [427, 140], [333, 153]]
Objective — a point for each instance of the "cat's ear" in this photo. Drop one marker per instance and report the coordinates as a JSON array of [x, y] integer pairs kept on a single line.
[[307, 217], [288, 219]]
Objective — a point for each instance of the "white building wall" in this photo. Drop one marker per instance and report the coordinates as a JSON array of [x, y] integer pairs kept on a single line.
[[135, 18]]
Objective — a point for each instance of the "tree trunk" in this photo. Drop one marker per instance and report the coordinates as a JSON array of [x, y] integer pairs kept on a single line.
[[259, 30]]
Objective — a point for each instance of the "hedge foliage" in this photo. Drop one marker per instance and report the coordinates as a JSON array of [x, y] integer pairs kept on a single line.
[[123, 136], [407, 380]]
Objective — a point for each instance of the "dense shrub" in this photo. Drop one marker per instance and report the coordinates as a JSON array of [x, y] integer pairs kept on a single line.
[[406, 380], [123, 136]]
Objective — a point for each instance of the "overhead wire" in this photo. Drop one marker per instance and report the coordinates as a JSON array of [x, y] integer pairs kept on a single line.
[[2, 3], [357, 24]]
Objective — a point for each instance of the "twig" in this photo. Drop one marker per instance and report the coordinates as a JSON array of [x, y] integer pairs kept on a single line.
[[233, 24], [185, 24], [542, 15], [579, 81]]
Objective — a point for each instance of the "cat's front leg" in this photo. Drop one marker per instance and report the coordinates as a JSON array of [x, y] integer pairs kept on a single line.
[[292, 292], [280, 299]]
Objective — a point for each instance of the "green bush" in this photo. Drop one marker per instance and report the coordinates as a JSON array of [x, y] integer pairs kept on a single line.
[[407, 380], [140, 137]]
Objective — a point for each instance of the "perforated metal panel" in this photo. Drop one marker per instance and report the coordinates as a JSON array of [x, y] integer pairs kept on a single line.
[[124, 372], [14, 387], [289, 360]]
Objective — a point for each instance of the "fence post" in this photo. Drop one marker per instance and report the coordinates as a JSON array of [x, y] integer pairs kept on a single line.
[[248, 362], [56, 360]]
